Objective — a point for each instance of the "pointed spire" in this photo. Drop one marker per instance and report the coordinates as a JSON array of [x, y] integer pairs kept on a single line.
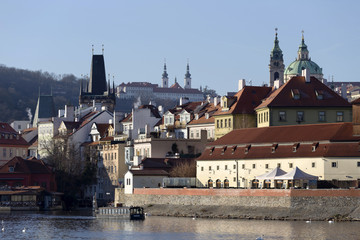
[[175, 80], [276, 52], [165, 75], [113, 86], [303, 52], [187, 74]]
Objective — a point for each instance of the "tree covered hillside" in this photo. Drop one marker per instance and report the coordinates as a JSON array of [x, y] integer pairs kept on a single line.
[[19, 90]]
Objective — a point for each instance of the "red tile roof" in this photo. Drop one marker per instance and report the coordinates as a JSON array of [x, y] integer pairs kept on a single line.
[[332, 139], [289, 133], [282, 97], [10, 138], [25, 166], [246, 100]]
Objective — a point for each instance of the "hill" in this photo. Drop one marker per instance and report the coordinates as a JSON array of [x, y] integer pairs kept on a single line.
[[19, 90]]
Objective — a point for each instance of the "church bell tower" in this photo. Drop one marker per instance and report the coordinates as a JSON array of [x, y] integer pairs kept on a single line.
[[276, 65]]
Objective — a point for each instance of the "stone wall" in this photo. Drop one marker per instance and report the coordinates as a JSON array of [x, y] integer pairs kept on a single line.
[[316, 204]]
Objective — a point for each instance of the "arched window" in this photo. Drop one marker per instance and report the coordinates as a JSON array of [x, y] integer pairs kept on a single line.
[[276, 75], [218, 183], [226, 183], [210, 183]]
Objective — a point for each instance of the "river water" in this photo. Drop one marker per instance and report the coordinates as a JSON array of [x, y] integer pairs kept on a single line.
[[76, 225]]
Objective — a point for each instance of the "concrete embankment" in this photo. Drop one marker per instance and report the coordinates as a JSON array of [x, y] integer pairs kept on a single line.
[[279, 204]]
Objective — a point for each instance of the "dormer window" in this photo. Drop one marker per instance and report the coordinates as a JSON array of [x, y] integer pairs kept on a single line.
[[274, 147], [212, 150], [206, 115], [223, 150], [247, 148], [295, 94], [196, 116], [295, 147], [319, 94], [233, 149], [314, 146], [11, 168]]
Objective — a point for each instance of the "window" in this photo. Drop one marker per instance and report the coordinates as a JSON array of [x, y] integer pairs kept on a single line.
[[243, 166], [217, 124], [321, 116], [339, 116], [313, 164], [225, 167], [209, 168], [290, 165], [229, 122], [234, 167], [279, 165], [334, 164], [299, 116], [225, 123], [202, 168], [4, 152], [254, 165], [282, 116], [217, 167], [358, 164], [234, 179], [266, 166], [221, 123], [11, 169]]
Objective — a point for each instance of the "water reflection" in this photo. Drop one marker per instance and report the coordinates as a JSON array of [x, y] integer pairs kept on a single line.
[[70, 226]]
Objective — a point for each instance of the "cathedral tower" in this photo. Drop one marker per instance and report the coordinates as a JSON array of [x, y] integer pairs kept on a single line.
[[165, 79], [276, 65], [187, 79]]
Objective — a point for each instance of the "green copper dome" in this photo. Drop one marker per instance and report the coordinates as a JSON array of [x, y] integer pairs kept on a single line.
[[296, 67], [303, 62]]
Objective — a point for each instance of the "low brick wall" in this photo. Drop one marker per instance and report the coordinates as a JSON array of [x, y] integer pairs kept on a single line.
[[253, 203]]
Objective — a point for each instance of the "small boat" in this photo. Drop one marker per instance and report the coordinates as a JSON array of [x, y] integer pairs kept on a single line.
[[137, 213]]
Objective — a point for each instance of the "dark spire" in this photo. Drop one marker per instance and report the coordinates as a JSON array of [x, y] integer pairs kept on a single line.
[[165, 75], [187, 74], [276, 52], [97, 83]]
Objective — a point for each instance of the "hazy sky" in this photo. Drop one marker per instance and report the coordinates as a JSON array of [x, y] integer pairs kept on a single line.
[[223, 40]]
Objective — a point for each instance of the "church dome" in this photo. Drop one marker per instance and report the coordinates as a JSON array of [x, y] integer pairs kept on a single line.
[[296, 67], [303, 61]]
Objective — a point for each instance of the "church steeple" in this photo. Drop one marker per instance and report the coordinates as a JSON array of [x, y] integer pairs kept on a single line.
[[187, 79], [165, 79], [276, 65], [303, 52]]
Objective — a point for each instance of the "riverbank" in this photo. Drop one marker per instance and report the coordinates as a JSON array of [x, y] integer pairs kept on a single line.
[[271, 204], [257, 213]]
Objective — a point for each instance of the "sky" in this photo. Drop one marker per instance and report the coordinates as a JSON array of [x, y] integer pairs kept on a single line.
[[224, 41]]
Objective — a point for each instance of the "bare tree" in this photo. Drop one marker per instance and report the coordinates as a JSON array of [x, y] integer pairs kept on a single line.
[[184, 169]]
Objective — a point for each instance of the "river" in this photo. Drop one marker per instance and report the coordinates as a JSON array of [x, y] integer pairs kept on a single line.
[[77, 225]]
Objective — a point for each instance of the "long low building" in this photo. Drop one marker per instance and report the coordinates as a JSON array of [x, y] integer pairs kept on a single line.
[[329, 151]]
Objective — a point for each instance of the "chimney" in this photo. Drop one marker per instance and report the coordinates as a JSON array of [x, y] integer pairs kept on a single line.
[[241, 84], [306, 73], [183, 100], [277, 84], [161, 110], [216, 101], [69, 112]]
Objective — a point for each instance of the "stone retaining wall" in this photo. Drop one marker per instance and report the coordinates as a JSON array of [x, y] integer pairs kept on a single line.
[[247, 203]]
